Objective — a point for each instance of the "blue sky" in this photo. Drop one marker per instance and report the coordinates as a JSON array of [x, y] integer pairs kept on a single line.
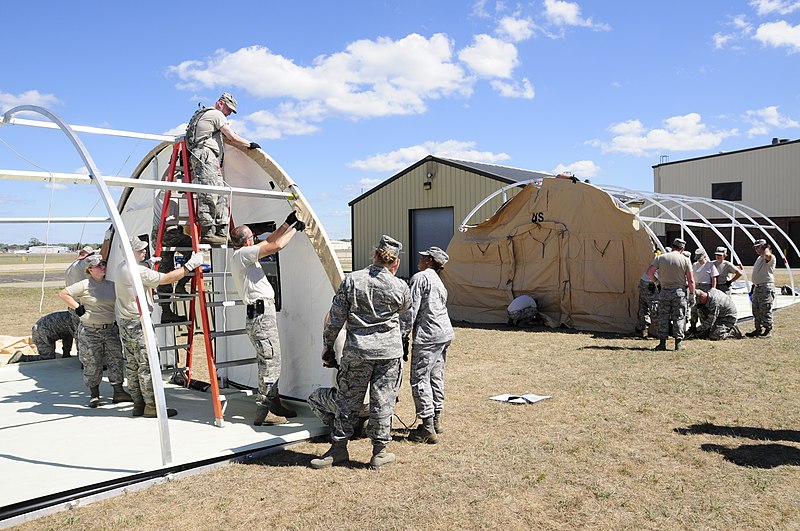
[[345, 94]]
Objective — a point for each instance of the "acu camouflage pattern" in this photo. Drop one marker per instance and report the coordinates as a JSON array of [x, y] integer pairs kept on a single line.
[[212, 209], [356, 374], [173, 237], [322, 403], [763, 300], [263, 333], [427, 378], [717, 315], [671, 308], [648, 299], [140, 383], [98, 347], [51, 328]]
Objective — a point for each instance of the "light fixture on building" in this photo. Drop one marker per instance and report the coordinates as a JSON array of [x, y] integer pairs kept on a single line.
[[428, 183]]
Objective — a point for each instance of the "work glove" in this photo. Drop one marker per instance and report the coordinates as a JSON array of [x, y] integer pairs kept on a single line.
[[253, 145], [299, 226], [109, 232], [329, 359], [291, 219], [80, 310], [651, 287], [195, 260], [692, 299], [151, 262], [406, 344]]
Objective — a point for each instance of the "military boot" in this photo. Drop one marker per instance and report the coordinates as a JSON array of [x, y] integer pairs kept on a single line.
[[264, 417], [336, 455], [94, 399], [138, 409], [222, 232], [150, 411], [380, 457], [437, 422], [424, 433], [279, 409], [18, 357], [209, 235], [678, 345], [168, 316], [662, 345], [754, 333], [120, 394], [767, 332]]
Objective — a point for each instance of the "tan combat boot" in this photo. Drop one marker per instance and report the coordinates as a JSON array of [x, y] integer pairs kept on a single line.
[[336, 455]]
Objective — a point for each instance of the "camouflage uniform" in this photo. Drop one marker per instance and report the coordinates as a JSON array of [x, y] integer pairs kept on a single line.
[[432, 334], [98, 335], [648, 296], [703, 276], [763, 292], [369, 301], [322, 403], [263, 333], [48, 330], [206, 149], [672, 268], [717, 315]]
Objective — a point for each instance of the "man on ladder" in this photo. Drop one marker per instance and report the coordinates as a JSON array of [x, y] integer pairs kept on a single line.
[[204, 142]]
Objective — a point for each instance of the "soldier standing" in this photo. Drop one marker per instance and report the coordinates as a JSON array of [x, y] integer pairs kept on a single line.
[[432, 334], [717, 314], [140, 383], [204, 141], [763, 289], [370, 302], [728, 273], [98, 335], [675, 275], [262, 321]]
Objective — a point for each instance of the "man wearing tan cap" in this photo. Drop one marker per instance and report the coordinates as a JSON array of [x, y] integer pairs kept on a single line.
[[763, 279], [205, 144], [675, 275]]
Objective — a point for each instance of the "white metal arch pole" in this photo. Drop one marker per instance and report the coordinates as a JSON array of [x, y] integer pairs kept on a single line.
[[133, 270]]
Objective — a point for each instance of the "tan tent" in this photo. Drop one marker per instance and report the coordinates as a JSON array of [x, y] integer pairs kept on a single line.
[[566, 244]]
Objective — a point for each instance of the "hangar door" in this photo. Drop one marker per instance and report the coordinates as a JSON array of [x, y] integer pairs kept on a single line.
[[429, 227]]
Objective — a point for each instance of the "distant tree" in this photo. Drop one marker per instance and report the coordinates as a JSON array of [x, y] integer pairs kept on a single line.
[[34, 242]]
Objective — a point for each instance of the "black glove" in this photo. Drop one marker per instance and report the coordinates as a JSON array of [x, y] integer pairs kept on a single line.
[[299, 226], [405, 348], [291, 219], [329, 359], [253, 145], [651, 287], [80, 310]]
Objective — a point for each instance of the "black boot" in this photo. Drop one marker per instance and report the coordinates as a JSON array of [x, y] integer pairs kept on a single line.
[[94, 399], [662, 345], [120, 394]]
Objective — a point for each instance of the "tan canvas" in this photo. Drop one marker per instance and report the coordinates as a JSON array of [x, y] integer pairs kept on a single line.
[[566, 244]]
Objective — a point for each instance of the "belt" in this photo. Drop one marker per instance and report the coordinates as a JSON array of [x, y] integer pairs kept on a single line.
[[765, 284], [99, 326]]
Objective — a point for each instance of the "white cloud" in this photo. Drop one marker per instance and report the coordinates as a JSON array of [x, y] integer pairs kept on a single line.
[[55, 186], [766, 119], [403, 157], [523, 89], [768, 7], [777, 34], [680, 133], [490, 57], [515, 29], [563, 13], [580, 168], [720, 40], [29, 97]]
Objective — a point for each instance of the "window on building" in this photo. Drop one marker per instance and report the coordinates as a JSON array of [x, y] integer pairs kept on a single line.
[[727, 191]]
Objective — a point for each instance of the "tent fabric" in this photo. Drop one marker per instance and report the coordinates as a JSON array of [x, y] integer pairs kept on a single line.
[[567, 244]]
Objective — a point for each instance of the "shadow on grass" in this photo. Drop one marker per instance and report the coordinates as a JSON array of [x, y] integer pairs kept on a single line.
[[760, 434], [292, 457], [613, 347], [541, 328], [757, 455]]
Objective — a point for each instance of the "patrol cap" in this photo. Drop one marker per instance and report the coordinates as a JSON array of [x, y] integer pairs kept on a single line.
[[677, 243], [759, 242], [687, 254], [137, 244], [699, 253], [390, 245], [87, 250], [228, 99], [93, 260], [721, 250], [437, 254]]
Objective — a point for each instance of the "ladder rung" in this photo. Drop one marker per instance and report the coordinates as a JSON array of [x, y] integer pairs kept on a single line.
[[201, 246], [218, 274], [176, 298], [234, 363], [173, 347], [227, 333], [217, 304], [177, 323]]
